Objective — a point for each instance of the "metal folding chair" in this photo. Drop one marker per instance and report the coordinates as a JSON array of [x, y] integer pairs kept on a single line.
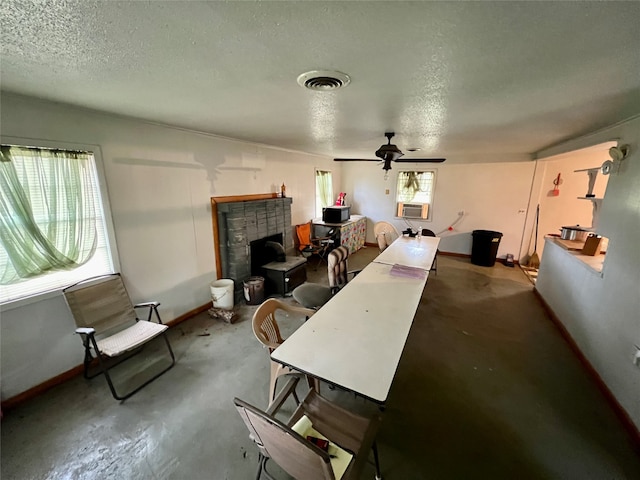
[[309, 245], [293, 445], [108, 324]]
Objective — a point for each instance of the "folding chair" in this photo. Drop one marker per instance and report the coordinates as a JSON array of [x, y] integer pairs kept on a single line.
[[309, 245], [108, 324], [429, 233], [291, 443]]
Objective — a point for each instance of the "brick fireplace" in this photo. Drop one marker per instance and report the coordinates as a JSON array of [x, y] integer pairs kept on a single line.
[[242, 226]]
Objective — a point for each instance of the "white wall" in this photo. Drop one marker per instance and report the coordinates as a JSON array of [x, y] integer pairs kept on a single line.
[[160, 181], [490, 194], [602, 312], [565, 208]]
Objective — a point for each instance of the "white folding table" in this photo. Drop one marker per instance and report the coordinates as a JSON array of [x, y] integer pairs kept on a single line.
[[416, 252], [355, 340]]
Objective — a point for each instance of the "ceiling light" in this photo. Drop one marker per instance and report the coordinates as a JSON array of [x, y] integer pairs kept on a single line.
[[323, 80]]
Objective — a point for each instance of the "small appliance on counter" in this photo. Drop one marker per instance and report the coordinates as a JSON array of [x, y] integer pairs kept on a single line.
[[336, 214], [575, 232]]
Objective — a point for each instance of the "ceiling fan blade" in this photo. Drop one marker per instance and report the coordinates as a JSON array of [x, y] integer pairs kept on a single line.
[[356, 159], [421, 160]]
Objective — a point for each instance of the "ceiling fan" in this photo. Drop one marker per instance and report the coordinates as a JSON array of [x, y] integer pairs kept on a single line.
[[390, 153]]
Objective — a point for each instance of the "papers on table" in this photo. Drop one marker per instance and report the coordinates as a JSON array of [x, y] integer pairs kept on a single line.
[[408, 272]]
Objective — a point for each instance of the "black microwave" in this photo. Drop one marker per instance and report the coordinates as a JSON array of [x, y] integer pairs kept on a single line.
[[336, 214]]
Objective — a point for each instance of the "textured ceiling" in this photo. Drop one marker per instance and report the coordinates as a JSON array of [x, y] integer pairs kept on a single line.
[[451, 78]]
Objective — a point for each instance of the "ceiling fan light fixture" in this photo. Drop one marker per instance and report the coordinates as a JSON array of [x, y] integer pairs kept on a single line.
[[390, 153], [323, 80]]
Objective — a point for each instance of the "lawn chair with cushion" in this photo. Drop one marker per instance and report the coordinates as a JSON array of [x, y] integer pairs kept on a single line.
[[109, 325]]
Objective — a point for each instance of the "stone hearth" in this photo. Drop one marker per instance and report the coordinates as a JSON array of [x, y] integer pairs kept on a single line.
[[242, 222]]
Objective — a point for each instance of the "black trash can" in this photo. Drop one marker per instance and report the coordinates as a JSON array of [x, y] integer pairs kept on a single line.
[[485, 247]]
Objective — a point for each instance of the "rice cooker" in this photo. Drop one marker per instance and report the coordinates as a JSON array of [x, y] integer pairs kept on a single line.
[[574, 233]]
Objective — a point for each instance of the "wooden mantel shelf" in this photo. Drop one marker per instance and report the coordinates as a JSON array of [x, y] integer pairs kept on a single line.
[[243, 198]]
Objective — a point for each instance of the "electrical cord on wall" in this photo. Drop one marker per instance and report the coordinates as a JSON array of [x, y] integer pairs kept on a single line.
[[450, 228]]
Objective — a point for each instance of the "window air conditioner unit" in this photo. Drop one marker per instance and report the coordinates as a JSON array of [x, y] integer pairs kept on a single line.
[[413, 210]]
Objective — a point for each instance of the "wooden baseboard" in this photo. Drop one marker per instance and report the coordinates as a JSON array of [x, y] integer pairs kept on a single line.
[[189, 314], [43, 387], [453, 254], [466, 255], [78, 370], [622, 414]]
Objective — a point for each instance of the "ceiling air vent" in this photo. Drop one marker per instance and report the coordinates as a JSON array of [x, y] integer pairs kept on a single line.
[[321, 80]]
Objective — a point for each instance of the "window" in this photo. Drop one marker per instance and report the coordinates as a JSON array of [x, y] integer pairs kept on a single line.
[[53, 229], [414, 194], [324, 191]]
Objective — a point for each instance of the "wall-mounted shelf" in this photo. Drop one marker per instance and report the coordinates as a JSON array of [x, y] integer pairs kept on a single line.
[[597, 202], [592, 173]]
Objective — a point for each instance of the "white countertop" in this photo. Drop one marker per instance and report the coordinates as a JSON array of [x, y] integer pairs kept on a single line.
[[594, 262]]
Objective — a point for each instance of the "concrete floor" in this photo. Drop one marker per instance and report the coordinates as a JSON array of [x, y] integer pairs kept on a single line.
[[486, 388]]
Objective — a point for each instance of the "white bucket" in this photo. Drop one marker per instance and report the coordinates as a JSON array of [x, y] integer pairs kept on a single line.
[[222, 294]]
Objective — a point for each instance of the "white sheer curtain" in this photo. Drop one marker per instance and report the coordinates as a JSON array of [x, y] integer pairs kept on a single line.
[[324, 191], [52, 226], [47, 212]]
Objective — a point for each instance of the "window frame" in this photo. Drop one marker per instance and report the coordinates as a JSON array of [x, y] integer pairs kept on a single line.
[[103, 195], [317, 208], [429, 218]]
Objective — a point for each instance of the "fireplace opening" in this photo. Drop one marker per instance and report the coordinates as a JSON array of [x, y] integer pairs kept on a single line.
[[266, 250]]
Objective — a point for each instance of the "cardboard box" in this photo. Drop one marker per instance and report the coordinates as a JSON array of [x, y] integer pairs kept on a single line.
[[592, 245]]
